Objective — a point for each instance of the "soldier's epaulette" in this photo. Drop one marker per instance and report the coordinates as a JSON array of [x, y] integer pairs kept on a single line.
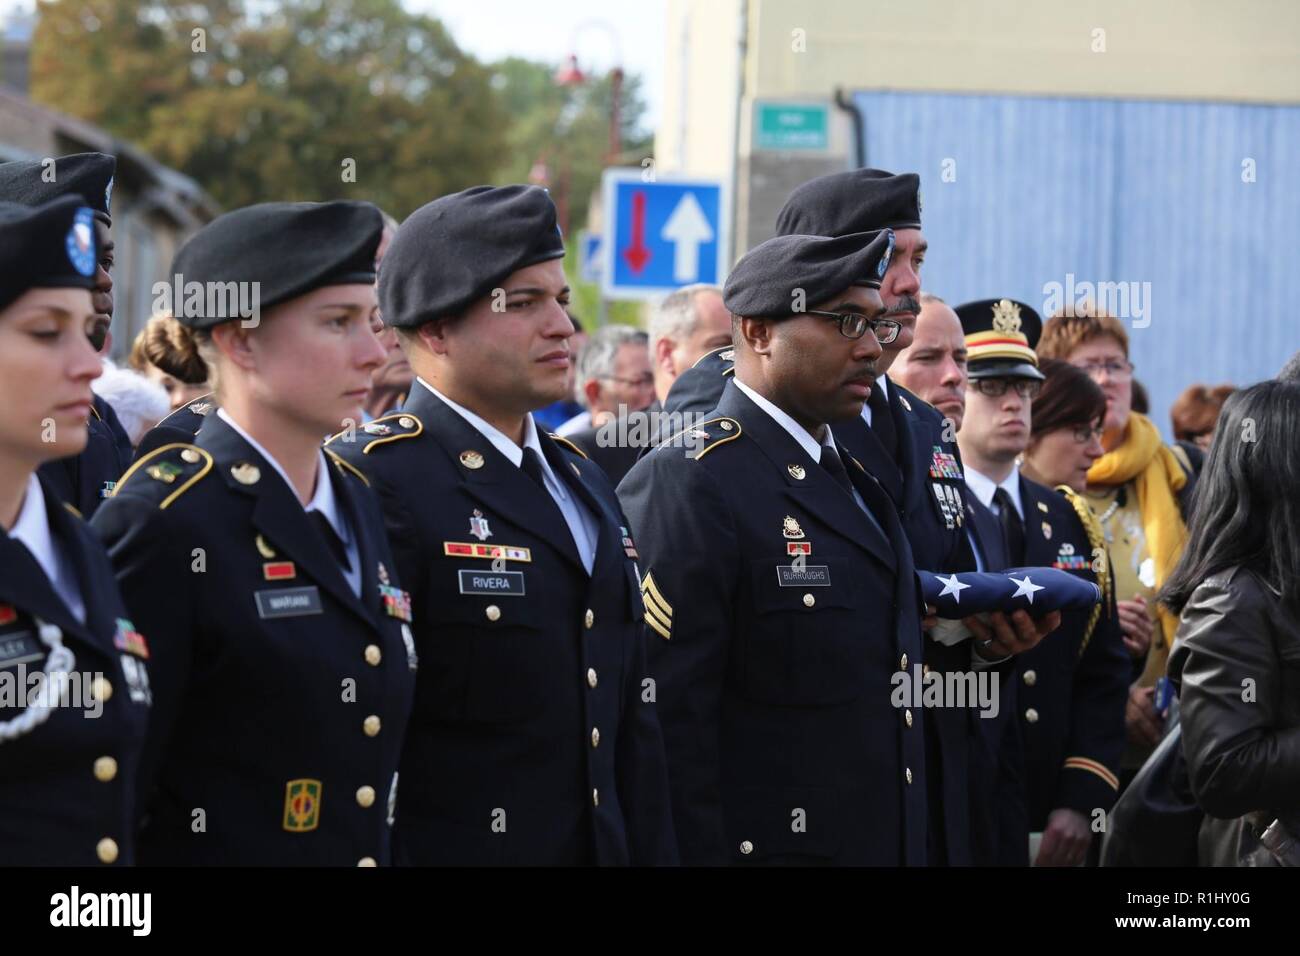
[[567, 444], [724, 353], [1097, 542], [390, 428], [171, 470], [713, 433], [343, 465]]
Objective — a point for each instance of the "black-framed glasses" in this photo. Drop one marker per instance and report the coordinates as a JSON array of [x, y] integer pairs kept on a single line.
[[854, 325], [1086, 433], [1027, 388]]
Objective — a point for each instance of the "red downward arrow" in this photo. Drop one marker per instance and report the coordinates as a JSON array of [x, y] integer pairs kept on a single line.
[[637, 255]]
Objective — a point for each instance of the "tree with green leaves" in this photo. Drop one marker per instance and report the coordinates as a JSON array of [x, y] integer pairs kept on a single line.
[[294, 100]]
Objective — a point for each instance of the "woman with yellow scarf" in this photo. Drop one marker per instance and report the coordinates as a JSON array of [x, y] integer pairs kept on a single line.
[[1139, 490]]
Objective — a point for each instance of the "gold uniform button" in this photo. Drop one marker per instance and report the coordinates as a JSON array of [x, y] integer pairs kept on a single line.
[[595, 798], [106, 850], [591, 677], [1031, 715], [1031, 678], [809, 600], [373, 655], [909, 774], [493, 612], [590, 619], [595, 736], [902, 663], [365, 796], [105, 769], [367, 861], [907, 716], [371, 725], [101, 689], [746, 847]]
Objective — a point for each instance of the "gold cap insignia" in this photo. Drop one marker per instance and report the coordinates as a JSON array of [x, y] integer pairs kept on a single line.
[[471, 459], [1006, 316], [245, 473], [796, 472]]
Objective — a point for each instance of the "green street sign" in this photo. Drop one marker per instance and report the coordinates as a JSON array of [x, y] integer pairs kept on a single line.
[[786, 126]]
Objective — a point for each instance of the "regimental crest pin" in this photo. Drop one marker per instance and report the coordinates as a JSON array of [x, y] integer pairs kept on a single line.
[[382, 573], [478, 526], [790, 528], [1047, 531]]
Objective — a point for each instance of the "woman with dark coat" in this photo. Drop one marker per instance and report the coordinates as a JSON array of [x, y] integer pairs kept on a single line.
[[1236, 657]]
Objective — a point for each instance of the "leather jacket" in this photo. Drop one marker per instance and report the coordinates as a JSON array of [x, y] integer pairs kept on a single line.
[[1236, 663]]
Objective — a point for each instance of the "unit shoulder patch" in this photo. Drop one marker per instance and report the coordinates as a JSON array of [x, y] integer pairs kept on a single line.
[[381, 431], [166, 473]]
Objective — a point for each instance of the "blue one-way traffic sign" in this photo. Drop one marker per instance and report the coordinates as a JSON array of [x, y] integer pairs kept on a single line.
[[661, 235]]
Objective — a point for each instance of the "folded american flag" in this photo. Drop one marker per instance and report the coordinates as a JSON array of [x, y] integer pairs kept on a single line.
[[1036, 590]]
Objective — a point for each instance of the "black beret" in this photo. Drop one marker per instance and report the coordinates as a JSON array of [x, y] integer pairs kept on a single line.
[[764, 282], [457, 249], [1000, 338], [86, 175], [288, 248], [50, 246], [861, 200]]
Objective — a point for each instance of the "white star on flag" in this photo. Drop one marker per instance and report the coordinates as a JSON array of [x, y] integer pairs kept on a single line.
[[951, 586], [1026, 587]]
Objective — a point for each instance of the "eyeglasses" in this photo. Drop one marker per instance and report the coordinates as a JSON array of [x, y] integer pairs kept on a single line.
[[1116, 370], [645, 381], [1085, 433], [854, 325], [997, 387]]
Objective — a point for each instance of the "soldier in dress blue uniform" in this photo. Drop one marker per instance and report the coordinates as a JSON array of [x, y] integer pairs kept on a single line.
[[256, 562], [1066, 706], [534, 738], [910, 449], [86, 479], [779, 588], [67, 763]]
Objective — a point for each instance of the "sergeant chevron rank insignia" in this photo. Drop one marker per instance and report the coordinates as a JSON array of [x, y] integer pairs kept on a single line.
[[658, 612]]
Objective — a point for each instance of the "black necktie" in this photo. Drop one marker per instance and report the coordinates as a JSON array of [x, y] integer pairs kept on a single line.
[[834, 464], [882, 421], [532, 466], [1012, 526], [332, 539]]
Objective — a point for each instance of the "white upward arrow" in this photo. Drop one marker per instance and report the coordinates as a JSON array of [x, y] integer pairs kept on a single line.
[[687, 228]]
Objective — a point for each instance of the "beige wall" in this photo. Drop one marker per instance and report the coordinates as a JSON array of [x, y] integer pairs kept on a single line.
[[697, 132], [1243, 50]]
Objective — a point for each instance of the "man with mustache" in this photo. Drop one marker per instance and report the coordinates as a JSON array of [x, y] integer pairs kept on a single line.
[[910, 449], [534, 739], [779, 586], [83, 480]]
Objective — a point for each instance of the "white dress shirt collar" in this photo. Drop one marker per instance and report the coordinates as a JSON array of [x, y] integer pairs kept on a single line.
[[984, 487], [322, 500], [32, 530], [501, 442], [800, 434], [881, 383]]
